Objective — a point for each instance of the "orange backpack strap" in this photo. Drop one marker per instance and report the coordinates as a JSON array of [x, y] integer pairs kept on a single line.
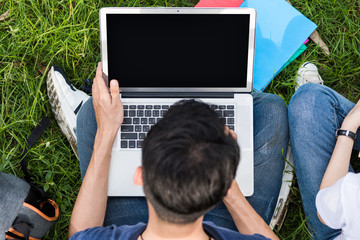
[[29, 213]]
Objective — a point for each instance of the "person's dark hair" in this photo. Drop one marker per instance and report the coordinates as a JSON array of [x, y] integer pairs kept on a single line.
[[188, 162]]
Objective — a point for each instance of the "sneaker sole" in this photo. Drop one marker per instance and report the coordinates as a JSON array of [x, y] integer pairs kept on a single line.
[[282, 204], [59, 114]]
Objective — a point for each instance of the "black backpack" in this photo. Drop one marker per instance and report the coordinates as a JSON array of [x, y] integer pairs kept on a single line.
[[26, 212]]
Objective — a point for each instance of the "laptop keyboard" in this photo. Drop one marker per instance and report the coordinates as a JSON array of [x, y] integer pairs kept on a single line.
[[138, 120]]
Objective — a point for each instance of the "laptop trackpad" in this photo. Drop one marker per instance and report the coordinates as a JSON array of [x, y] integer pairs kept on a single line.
[[121, 182]]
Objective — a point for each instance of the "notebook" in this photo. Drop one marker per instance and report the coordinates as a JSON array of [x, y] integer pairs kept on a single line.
[[163, 55], [280, 33]]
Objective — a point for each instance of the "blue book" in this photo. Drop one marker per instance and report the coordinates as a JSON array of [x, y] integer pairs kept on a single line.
[[280, 32]]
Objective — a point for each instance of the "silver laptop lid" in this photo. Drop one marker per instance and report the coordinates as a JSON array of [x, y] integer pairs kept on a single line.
[[178, 49]]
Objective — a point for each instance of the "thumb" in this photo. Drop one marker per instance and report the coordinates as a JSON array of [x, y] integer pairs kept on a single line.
[[114, 89]]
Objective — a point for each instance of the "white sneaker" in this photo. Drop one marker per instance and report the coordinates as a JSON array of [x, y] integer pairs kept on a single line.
[[65, 101], [308, 72]]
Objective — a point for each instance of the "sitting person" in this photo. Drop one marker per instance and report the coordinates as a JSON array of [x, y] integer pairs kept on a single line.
[[323, 129], [214, 156]]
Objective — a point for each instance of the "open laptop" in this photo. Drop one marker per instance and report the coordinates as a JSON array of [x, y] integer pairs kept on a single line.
[[163, 55]]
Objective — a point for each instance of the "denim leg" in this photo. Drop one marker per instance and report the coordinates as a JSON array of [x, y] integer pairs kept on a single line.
[[119, 210], [85, 133], [271, 138], [315, 113]]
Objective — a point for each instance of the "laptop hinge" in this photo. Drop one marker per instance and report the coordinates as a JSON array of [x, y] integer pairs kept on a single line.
[[177, 94]]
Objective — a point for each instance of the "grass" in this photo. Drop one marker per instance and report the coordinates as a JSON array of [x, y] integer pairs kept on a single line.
[[39, 34]]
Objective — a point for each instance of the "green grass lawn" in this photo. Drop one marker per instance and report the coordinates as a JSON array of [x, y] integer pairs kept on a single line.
[[41, 33]]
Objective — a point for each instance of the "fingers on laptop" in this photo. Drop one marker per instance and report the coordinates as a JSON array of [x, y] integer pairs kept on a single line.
[[100, 94], [99, 88], [231, 132], [114, 89], [108, 107]]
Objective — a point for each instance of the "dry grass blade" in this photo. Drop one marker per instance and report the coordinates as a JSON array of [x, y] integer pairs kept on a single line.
[[4, 16], [315, 37]]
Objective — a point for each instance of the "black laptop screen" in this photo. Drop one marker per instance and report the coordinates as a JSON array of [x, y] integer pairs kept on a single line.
[[178, 50]]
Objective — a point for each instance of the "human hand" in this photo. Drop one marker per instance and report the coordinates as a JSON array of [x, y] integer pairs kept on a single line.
[[108, 108], [234, 191], [352, 120], [231, 132], [233, 194]]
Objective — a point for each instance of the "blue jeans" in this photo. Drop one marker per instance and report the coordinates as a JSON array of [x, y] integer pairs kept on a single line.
[[315, 113], [271, 139]]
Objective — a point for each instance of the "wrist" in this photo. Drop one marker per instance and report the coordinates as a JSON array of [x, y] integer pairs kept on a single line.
[[102, 149], [346, 125], [233, 195], [105, 139], [345, 133], [107, 134]]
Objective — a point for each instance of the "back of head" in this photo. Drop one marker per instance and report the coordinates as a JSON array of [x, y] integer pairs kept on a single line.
[[188, 162]]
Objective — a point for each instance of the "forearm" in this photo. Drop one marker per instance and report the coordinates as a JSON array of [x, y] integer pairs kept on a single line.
[[339, 162], [90, 206], [245, 217], [340, 159]]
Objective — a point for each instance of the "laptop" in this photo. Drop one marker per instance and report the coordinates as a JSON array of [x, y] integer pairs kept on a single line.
[[163, 55]]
